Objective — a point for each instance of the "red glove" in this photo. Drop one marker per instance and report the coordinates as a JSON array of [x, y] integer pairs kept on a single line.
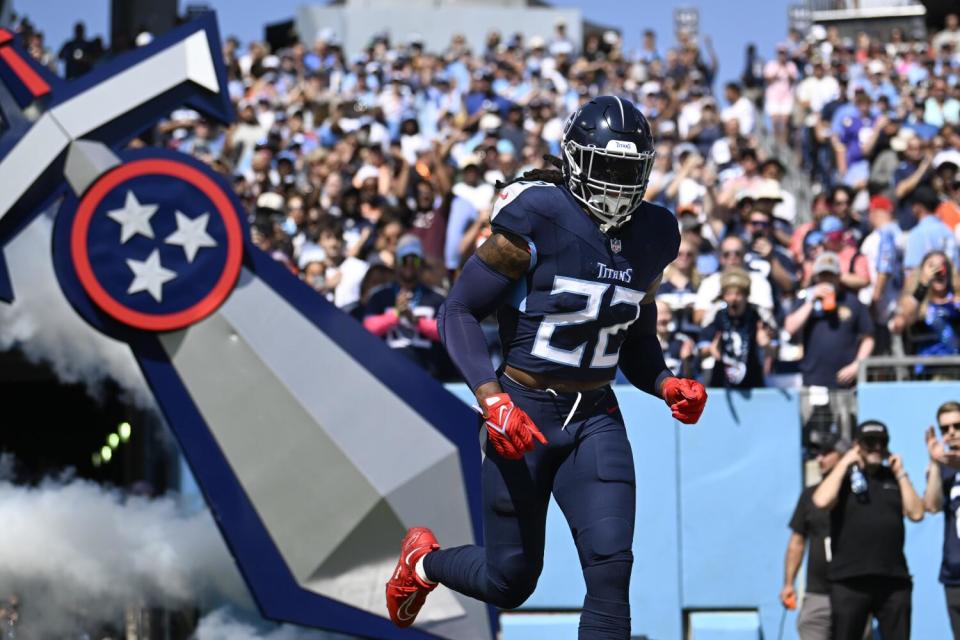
[[686, 398], [509, 427]]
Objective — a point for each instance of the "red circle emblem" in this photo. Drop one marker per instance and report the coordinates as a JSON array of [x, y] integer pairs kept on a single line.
[[116, 309]]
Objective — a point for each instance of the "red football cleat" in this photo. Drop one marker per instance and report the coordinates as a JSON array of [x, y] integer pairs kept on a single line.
[[406, 592]]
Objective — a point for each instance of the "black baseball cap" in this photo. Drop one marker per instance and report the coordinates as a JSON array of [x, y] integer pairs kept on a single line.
[[827, 440], [872, 429]]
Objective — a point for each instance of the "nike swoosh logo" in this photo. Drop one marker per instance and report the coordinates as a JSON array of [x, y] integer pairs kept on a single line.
[[402, 614], [407, 559]]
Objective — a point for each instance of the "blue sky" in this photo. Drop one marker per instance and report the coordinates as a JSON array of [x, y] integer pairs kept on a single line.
[[732, 23]]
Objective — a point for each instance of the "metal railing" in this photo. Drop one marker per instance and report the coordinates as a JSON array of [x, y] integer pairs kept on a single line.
[[864, 6], [821, 407], [904, 368]]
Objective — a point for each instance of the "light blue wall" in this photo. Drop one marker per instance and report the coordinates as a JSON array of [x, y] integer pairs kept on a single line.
[[732, 482], [713, 501], [907, 409], [740, 478]]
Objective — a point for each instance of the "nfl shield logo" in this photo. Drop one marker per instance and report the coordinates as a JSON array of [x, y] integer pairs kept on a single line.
[[615, 245]]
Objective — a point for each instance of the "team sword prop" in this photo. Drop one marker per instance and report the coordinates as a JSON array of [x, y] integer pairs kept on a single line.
[[292, 417]]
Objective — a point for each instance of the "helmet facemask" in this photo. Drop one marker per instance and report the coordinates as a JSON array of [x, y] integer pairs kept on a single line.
[[614, 199]]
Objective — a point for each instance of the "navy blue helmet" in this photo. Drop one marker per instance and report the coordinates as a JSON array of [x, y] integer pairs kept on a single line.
[[608, 153]]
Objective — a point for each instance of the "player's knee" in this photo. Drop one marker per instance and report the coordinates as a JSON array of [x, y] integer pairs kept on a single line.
[[513, 594], [606, 540], [514, 584]]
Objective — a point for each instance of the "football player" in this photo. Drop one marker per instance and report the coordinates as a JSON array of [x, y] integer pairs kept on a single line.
[[571, 269]]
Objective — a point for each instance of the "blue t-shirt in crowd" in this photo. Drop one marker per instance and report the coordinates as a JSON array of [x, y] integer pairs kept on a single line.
[[930, 234], [831, 340], [904, 212], [939, 329], [847, 128]]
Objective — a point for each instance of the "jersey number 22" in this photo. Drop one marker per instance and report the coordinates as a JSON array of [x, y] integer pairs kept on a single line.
[[594, 292]]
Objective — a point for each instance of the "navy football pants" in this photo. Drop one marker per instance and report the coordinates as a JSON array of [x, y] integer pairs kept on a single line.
[[589, 469]]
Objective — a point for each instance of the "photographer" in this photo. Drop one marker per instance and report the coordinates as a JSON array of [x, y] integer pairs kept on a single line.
[[868, 493], [810, 524], [943, 494], [835, 327]]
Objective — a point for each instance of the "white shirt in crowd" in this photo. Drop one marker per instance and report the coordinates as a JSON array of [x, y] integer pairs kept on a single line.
[[480, 196], [347, 290], [745, 114], [818, 91]]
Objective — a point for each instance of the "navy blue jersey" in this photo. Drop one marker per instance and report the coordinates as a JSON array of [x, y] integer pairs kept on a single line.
[[570, 314], [950, 567]]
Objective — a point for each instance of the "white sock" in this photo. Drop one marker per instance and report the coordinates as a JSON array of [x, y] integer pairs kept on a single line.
[[420, 571]]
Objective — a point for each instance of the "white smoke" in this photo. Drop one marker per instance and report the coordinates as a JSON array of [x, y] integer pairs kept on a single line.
[[45, 327], [76, 553], [226, 624]]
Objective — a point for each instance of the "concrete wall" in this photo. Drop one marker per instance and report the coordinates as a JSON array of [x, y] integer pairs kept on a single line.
[[355, 27]]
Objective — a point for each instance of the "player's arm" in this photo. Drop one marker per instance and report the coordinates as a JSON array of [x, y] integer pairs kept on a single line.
[[484, 282], [641, 357], [641, 360]]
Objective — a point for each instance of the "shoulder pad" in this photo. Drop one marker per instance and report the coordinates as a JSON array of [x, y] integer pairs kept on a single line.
[[661, 222], [512, 192], [519, 206]]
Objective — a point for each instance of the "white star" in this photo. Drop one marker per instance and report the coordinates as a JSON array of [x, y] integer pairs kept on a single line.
[[134, 218], [191, 234], [149, 275]]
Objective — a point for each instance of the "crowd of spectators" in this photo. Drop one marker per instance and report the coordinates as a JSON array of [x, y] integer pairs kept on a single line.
[[344, 159]]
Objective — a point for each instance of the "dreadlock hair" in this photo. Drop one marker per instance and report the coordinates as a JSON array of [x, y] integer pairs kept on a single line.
[[553, 176]]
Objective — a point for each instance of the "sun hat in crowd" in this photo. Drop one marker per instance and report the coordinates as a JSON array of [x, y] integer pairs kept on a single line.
[[735, 277], [272, 201], [767, 190]]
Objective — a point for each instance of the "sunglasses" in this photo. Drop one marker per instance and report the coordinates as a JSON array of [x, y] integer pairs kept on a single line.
[[944, 428], [732, 254], [413, 261], [759, 223]]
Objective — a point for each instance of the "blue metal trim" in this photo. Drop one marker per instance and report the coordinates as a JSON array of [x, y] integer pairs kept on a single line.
[[6, 287]]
